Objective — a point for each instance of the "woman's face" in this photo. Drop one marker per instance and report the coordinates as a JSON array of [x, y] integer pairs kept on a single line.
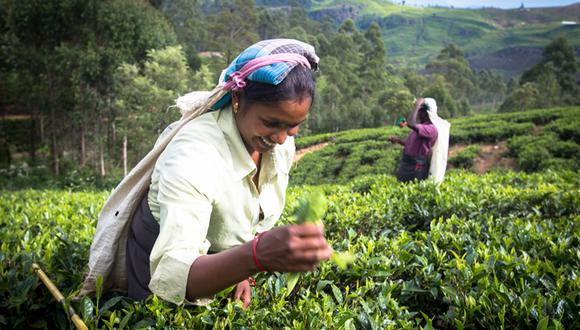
[[424, 117], [264, 125]]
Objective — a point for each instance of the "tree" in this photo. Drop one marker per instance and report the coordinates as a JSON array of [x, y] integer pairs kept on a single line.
[[416, 83], [561, 56], [143, 94], [454, 67], [438, 89], [72, 47], [523, 98], [396, 103], [374, 60], [549, 89], [233, 29], [491, 87], [270, 25]]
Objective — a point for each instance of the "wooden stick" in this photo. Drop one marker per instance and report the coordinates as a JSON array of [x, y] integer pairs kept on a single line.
[[76, 320]]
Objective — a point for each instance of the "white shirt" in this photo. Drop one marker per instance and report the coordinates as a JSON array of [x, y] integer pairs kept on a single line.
[[204, 198]]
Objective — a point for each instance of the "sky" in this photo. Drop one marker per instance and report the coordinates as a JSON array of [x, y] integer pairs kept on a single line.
[[490, 3]]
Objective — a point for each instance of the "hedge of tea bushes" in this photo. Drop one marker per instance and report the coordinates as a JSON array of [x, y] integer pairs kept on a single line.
[[537, 139], [494, 251], [465, 158], [53, 228]]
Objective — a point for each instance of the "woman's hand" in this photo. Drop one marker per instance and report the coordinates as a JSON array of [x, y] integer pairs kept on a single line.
[[395, 139], [243, 292], [419, 102], [294, 248]]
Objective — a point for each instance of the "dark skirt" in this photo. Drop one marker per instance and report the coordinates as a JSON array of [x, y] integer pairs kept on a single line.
[[143, 233], [413, 167]]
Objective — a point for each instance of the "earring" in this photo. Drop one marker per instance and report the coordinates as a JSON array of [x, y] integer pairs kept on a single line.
[[235, 107]]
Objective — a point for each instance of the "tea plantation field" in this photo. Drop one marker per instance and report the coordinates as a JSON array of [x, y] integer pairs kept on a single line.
[[537, 139], [492, 251]]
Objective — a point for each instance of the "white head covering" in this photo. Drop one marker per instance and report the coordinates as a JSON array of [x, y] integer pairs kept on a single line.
[[440, 148]]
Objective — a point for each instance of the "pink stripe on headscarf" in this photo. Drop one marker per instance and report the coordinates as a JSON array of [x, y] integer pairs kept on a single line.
[[237, 78]]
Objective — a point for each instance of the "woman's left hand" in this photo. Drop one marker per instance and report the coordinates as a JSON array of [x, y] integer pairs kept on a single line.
[[243, 292]]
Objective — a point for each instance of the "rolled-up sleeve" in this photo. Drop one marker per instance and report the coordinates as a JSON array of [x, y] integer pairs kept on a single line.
[[427, 131], [184, 220]]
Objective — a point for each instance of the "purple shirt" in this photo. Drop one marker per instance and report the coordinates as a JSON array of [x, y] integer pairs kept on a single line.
[[419, 142]]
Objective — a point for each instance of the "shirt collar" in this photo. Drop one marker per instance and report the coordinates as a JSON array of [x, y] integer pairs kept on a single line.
[[242, 163]]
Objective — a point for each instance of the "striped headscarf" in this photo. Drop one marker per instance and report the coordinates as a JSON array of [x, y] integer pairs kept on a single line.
[[273, 60]]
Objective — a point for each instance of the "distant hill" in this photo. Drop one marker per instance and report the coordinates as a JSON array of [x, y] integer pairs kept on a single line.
[[508, 40]]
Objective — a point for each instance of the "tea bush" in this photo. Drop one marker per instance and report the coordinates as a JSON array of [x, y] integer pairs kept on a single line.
[[494, 251], [537, 139], [464, 158]]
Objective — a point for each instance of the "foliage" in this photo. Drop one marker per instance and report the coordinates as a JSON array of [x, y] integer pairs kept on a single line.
[[144, 94], [476, 251], [357, 153], [558, 59], [353, 154], [61, 62], [464, 158], [545, 151], [523, 97], [548, 83], [72, 48], [453, 66]]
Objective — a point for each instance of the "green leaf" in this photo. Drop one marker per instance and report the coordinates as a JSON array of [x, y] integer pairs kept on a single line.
[[87, 308], [110, 303], [543, 324], [149, 323], [311, 207], [343, 259], [125, 320], [337, 293], [291, 280], [99, 287]]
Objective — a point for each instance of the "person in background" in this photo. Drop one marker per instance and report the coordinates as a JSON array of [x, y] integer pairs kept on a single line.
[[218, 188], [425, 148]]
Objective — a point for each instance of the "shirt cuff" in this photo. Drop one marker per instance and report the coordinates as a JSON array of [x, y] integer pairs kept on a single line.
[[169, 281]]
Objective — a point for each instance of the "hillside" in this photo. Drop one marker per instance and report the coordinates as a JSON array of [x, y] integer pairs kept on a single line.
[[492, 38]]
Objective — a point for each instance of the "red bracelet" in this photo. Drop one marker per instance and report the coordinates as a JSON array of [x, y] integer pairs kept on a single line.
[[252, 281], [254, 254]]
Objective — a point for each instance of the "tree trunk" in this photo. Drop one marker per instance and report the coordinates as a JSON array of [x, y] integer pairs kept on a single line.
[[83, 159], [32, 151], [52, 128], [102, 160], [125, 155], [41, 119], [114, 132], [54, 154]]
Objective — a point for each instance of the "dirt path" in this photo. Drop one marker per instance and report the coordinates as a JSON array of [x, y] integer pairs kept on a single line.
[[490, 156], [300, 153], [493, 155]]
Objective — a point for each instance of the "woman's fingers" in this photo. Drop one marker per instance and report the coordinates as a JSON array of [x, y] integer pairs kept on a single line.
[[294, 248], [247, 296], [307, 229], [243, 292]]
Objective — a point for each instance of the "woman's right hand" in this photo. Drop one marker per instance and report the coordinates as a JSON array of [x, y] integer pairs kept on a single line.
[[293, 248]]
